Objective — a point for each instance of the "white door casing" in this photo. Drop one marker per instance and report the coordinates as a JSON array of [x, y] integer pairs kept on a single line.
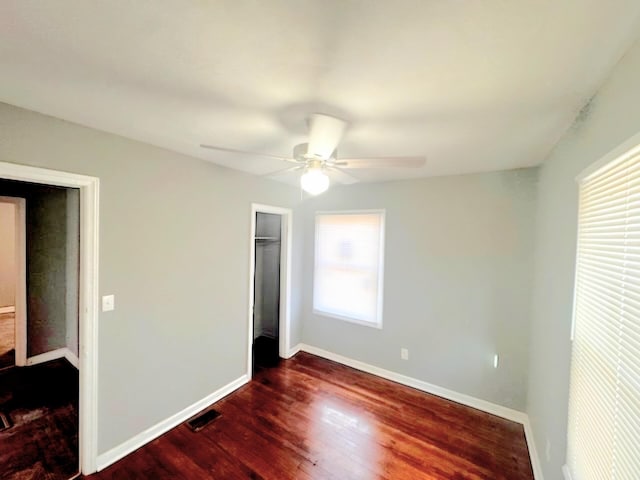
[[285, 278], [88, 295]]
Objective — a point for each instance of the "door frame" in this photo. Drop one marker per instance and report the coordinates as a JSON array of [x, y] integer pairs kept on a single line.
[[88, 296], [286, 226], [20, 279]]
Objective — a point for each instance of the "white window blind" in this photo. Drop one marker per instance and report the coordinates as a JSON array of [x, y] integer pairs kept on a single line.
[[604, 404], [348, 266]]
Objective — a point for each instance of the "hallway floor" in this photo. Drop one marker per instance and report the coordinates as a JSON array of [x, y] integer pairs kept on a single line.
[[41, 403]]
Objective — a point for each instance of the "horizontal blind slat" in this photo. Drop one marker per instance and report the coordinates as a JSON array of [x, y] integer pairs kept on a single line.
[[604, 397]]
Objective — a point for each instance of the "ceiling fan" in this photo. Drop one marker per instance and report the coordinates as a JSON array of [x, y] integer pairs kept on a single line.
[[318, 157]]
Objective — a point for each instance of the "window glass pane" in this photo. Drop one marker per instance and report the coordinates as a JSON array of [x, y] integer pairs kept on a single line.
[[348, 265]]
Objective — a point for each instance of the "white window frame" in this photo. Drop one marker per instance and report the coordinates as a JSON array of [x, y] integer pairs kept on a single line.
[[622, 153], [378, 323]]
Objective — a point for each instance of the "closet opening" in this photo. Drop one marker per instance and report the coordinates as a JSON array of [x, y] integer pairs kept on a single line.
[[269, 302]]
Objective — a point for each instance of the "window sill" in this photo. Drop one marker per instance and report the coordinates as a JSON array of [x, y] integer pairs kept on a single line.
[[364, 323]]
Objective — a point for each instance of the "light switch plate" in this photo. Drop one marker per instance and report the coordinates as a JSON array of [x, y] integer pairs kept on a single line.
[[108, 303]]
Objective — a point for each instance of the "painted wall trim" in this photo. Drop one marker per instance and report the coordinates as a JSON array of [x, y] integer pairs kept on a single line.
[[71, 358], [621, 153], [294, 350], [10, 309], [21, 315], [144, 437], [54, 355], [286, 249], [477, 403], [533, 450], [88, 294], [46, 357], [566, 473], [452, 395]]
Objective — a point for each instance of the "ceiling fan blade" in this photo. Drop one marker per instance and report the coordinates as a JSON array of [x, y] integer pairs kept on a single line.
[[325, 133], [381, 162], [246, 152], [279, 173], [339, 176]]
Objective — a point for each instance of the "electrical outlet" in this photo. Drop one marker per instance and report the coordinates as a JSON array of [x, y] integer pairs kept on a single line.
[[404, 354], [108, 303], [547, 450]]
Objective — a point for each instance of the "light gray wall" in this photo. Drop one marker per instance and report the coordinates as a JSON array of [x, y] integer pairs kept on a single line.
[[7, 254], [612, 117], [72, 268], [458, 261], [46, 270], [174, 249], [297, 276]]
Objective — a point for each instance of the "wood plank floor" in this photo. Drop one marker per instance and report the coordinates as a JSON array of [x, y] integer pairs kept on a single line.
[[41, 403], [311, 418]]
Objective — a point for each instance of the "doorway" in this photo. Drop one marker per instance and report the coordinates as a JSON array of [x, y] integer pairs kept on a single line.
[[7, 284], [88, 294], [41, 395], [269, 309], [7, 338], [266, 287], [12, 283]]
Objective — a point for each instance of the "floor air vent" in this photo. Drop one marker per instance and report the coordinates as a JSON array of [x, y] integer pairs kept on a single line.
[[203, 419], [4, 422]]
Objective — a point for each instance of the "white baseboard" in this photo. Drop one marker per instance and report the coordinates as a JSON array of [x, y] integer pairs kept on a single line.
[[72, 358], [10, 309], [47, 356], [533, 451], [457, 397], [116, 453], [293, 351], [54, 355], [485, 406]]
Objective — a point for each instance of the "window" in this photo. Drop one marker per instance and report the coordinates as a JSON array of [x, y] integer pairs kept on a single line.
[[604, 401], [348, 266]]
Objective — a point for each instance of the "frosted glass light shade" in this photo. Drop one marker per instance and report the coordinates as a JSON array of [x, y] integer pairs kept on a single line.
[[314, 181]]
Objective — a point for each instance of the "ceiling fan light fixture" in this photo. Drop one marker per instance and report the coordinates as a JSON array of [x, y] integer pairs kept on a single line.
[[314, 181]]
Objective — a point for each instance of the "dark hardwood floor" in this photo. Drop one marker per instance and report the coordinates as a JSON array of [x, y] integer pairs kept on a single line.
[[311, 418], [41, 403]]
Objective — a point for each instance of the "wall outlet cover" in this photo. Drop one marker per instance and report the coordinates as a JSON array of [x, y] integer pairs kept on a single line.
[[108, 303]]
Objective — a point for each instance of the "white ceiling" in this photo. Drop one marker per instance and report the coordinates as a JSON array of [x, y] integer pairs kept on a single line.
[[474, 85]]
